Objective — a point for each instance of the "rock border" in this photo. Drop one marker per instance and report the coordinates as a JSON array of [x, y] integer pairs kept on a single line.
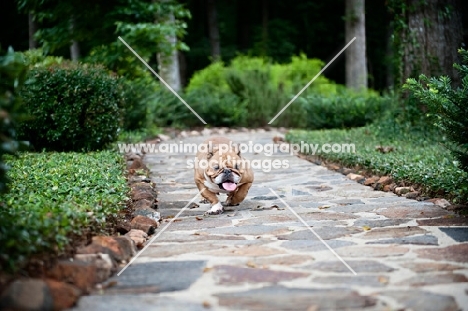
[[385, 183]]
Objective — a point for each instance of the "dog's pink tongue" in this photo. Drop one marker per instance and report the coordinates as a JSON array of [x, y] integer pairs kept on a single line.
[[229, 186]]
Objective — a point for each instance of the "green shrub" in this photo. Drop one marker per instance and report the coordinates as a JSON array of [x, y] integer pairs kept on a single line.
[[55, 196], [138, 96], [74, 107], [293, 76], [448, 106], [168, 110], [260, 99], [218, 108], [211, 76], [344, 110], [119, 60], [12, 75], [139, 84], [263, 88], [36, 58], [250, 80]]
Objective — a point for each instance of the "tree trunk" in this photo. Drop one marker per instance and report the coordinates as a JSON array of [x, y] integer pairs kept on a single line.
[[182, 68], [356, 65], [168, 63], [432, 38], [75, 51], [75, 46], [213, 30], [32, 31]]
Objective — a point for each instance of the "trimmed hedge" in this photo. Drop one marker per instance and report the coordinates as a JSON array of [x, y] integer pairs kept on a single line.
[[74, 107]]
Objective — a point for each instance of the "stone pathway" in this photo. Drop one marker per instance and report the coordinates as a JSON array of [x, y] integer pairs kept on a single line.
[[259, 256]]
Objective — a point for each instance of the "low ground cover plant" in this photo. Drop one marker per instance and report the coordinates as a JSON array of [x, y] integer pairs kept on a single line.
[[419, 156], [55, 197]]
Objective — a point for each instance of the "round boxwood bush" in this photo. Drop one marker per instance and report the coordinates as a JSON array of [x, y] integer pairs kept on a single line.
[[73, 107]]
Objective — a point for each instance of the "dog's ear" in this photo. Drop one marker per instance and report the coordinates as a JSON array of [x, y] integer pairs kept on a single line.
[[236, 148], [211, 150]]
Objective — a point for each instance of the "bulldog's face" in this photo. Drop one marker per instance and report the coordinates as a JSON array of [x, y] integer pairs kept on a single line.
[[225, 170]]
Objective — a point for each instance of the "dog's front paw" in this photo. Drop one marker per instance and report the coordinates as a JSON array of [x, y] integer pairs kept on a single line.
[[217, 212], [215, 209], [204, 201]]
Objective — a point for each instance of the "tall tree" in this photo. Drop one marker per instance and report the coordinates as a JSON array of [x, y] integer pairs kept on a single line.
[[356, 64], [167, 57], [213, 30], [75, 46], [428, 35]]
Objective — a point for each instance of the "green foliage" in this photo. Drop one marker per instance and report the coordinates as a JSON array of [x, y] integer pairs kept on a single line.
[[344, 110], [256, 94], [217, 107], [74, 107], [135, 23], [61, 22], [418, 158], [37, 58], [212, 76], [140, 135], [138, 26], [12, 75], [263, 88], [293, 76], [448, 106], [54, 197], [139, 84], [167, 110], [138, 95], [117, 58]]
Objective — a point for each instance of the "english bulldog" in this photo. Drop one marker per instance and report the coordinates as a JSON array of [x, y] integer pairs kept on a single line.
[[221, 169]]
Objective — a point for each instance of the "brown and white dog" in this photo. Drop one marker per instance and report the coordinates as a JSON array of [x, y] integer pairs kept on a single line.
[[221, 169]]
